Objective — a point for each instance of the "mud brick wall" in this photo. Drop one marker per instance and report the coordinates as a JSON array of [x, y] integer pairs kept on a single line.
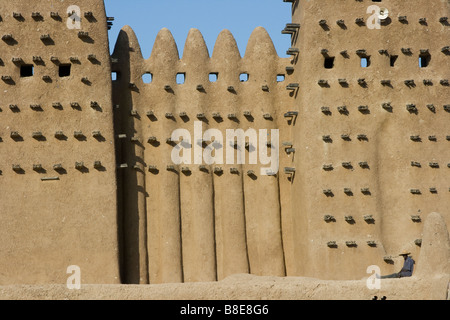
[[87, 175], [58, 172]]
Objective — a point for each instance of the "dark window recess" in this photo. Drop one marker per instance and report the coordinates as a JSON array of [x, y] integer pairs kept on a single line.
[[26, 71], [424, 60], [64, 70], [393, 59], [329, 63], [376, 0]]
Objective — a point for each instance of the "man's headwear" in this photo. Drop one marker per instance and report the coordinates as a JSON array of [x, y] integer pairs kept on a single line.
[[405, 253]]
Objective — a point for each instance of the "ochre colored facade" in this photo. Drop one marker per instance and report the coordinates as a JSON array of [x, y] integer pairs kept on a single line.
[[363, 148], [48, 225], [382, 119]]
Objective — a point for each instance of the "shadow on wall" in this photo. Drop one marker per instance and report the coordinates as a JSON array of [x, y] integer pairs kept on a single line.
[[127, 186]]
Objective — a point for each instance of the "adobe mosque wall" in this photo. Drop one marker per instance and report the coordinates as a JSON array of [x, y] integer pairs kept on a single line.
[[343, 154], [58, 166]]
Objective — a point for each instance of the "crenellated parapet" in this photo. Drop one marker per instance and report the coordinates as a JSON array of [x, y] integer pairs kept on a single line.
[[192, 168], [223, 217]]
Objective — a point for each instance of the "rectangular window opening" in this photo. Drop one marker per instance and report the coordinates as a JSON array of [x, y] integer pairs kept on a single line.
[[181, 78], [64, 70], [280, 78], [365, 62], [424, 60], [213, 77], [26, 71], [393, 59], [243, 77], [329, 62], [114, 76], [147, 78]]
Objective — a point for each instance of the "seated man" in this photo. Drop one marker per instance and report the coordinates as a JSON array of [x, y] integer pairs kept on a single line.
[[407, 270]]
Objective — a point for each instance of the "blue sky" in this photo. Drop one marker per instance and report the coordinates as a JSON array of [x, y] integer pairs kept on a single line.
[[241, 17]]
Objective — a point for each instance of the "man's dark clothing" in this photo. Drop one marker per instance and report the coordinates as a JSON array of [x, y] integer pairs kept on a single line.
[[407, 270], [408, 267]]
